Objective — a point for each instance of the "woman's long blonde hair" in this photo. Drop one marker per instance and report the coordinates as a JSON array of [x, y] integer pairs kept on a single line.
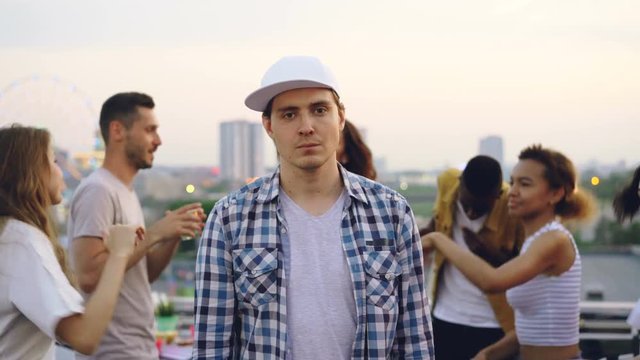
[[24, 182]]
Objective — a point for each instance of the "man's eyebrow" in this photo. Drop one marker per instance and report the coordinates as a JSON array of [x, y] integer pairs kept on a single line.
[[287, 108], [521, 178], [320, 103]]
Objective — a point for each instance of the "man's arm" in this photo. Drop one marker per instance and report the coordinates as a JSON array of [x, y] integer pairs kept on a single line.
[[215, 302], [166, 234], [479, 246], [414, 335], [89, 258], [159, 244], [160, 256], [431, 227]]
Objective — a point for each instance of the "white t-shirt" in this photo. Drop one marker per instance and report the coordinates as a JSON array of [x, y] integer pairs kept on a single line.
[[634, 316], [459, 300], [101, 200], [321, 306], [34, 293]]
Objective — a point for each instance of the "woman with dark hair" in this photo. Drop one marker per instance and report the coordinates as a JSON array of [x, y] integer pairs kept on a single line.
[[543, 282], [625, 205], [38, 302], [354, 154], [627, 201]]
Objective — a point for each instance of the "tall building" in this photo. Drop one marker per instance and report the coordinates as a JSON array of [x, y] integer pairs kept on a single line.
[[492, 146], [241, 150]]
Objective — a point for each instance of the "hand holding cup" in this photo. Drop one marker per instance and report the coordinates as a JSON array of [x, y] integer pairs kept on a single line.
[[121, 240], [198, 216]]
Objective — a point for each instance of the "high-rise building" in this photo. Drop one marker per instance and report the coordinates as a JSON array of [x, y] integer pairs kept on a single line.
[[492, 146], [241, 150]]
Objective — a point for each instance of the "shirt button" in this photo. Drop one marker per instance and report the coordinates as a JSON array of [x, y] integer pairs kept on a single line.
[[389, 276], [254, 272]]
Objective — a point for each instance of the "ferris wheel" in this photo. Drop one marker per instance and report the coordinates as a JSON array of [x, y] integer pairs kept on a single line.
[[55, 104]]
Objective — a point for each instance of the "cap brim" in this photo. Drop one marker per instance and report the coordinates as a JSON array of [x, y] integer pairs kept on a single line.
[[259, 99]]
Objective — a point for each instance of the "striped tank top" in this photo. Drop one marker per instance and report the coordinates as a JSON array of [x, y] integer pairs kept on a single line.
[[546, 307]]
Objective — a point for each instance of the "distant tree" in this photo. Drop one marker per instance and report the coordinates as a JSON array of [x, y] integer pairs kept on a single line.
[[610, 232], [207, 205], [608, 186]]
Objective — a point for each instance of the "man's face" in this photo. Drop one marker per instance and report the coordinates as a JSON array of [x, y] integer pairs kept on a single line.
[[305, 126], [475, 206], [142, 139]]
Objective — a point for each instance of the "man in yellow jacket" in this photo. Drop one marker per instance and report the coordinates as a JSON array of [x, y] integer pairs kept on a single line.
[[471, 208]]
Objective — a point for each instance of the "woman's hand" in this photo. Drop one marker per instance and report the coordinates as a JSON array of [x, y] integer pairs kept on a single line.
[[431, 239], [121, 240]]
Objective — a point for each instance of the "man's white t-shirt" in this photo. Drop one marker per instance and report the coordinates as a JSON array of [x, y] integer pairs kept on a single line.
[[460, 301], [102, 200]]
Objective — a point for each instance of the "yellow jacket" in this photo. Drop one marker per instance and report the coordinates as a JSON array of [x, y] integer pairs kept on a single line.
[[500, 231]]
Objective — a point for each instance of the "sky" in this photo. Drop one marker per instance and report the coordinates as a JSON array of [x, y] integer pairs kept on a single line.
[[427, 79]]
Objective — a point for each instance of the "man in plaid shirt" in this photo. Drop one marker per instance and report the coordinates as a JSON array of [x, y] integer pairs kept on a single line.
[[311, 262]]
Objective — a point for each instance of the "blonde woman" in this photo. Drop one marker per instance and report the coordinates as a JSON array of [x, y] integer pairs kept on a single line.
[[38, 303]]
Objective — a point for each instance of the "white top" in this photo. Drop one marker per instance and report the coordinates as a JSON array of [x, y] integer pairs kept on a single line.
[[321, 306], [460, 301], [546, 307], [634, 316], [102, 200], [34, 293]]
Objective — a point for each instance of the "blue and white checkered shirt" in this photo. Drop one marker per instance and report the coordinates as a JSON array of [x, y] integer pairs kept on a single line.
[[240, 306]]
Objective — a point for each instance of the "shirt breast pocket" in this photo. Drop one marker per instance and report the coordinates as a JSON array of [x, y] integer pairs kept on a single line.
[[383, 272], [255, 275]]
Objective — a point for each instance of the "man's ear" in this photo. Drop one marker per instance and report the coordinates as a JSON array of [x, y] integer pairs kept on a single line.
[[343, 118], [117, 130], [266, 124]]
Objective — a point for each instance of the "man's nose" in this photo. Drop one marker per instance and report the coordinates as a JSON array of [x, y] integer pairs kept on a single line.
[[306, 125]]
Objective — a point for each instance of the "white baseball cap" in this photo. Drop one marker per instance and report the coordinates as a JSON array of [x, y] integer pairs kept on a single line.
[[289, 73]]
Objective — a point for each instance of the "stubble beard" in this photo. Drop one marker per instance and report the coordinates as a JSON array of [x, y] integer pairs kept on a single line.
[[135, 156]]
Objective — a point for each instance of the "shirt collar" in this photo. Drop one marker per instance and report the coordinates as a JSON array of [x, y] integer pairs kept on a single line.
[[270, 187]]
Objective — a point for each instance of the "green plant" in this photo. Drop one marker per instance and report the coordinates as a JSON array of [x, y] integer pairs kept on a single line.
[[165, 308]]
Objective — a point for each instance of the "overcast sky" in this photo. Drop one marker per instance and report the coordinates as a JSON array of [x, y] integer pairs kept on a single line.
[[426, 78]]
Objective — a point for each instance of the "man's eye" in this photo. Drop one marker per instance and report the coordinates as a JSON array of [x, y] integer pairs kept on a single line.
[[288, 115], [320, 110]]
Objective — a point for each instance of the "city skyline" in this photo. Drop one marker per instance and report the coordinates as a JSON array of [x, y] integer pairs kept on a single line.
[[426, 79], [241, 150]]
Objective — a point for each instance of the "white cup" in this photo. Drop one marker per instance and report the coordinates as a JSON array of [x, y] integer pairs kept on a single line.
[[196, 214]]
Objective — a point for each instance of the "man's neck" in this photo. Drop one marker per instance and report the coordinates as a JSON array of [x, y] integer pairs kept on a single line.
[[120, 168], [313, 190]]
